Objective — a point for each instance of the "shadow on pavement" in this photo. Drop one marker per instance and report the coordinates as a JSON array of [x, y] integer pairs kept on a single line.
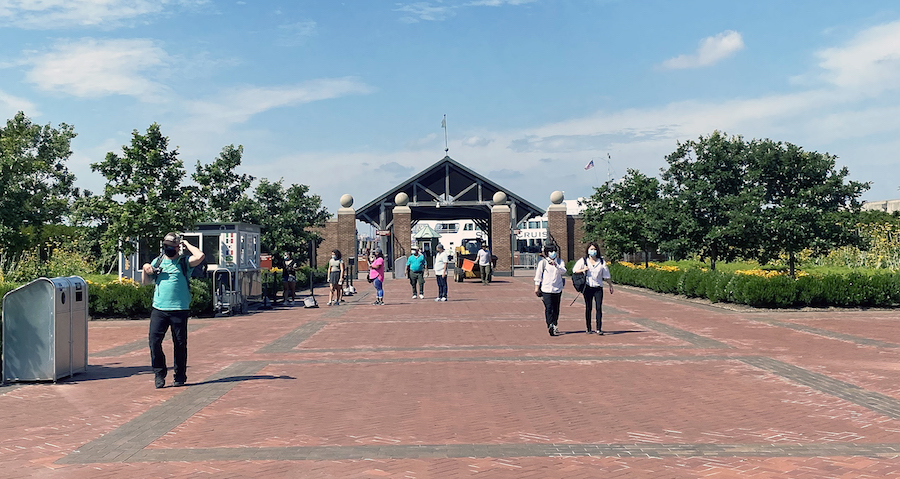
[[233, 379], [605, 333]]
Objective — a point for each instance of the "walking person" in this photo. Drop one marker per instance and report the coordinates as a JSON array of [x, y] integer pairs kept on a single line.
[[484, 263], [170, 272], [376, 275], [417, 270], [548, 285], [289, 279], [335, 278], [595, 271], [441, 263]]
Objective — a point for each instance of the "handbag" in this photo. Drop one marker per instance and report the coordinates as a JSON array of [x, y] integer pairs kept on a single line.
[[371, 279]]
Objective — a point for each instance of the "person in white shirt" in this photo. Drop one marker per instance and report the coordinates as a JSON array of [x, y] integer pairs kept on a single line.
[[441, 263], [595, 271], [548, 285], [484, 263]]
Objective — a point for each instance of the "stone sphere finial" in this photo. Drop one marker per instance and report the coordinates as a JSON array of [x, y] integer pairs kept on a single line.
[[557, 197], [499, 198], [401, 199], [346, 201]]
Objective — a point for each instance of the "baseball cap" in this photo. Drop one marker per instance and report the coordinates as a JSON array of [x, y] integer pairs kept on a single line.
[[171, 239]]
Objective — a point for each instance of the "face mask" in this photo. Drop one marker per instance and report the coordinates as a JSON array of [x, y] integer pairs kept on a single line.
[[592, 252], [170, 251], [333, 257], [552, 255]]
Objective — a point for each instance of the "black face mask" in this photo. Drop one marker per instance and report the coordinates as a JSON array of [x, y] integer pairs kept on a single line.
[[170, 251]]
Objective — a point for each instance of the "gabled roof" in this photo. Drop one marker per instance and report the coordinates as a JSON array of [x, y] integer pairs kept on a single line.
[[446, 190]]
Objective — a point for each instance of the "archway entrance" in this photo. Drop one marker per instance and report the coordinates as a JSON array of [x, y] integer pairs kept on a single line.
[[447, 190]]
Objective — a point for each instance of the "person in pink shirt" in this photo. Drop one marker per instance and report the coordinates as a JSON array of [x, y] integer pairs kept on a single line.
[[376, 275]]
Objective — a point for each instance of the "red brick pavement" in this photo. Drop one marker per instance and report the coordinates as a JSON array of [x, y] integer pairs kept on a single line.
[[334, 385]]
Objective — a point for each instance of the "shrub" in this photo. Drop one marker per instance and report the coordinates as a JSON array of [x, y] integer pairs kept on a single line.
[[762, 288], [689, 285]]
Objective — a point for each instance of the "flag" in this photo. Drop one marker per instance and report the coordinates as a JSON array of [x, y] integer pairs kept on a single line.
[[444, 122], [589, 165]]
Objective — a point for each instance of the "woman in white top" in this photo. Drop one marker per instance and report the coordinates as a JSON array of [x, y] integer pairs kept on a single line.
[[595, 271], [548, 285], [335, 278]]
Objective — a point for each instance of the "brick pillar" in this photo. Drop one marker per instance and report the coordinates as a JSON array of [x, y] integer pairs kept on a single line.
[[500, 237], [402, 233], [576, 235], [346, 238], [558, 225]]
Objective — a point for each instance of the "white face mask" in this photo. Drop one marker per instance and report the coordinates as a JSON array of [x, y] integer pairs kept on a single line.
[[552, 255], [592, 252], [333, 257]]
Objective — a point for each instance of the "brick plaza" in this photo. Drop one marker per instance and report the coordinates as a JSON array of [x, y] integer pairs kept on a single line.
[[476, 387]]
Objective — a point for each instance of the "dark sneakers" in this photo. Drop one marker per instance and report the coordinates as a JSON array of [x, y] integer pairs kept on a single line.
[[160, 382], [554, 330], [178, 384]]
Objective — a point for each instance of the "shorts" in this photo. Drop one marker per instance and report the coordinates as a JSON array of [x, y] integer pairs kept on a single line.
[[334, 277]]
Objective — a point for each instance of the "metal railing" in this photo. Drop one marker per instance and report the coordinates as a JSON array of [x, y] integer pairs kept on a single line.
[[526, 260]]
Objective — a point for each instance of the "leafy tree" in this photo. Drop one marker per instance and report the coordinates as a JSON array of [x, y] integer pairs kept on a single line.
[[35, 183], [713, 198], [285, 215], [626, 215], [223, 191], [807, 203], [143, 197]]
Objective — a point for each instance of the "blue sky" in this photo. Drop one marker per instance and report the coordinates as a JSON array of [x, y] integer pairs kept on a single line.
[[348, 97]]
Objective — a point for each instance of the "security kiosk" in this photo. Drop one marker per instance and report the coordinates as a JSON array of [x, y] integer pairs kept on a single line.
[[233, 257]]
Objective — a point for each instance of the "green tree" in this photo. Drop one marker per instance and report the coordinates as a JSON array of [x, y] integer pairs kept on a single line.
[[285, 216], [36, 186], [625, 215], [144, 197], [807, 204], [713, 199], [223, 191]]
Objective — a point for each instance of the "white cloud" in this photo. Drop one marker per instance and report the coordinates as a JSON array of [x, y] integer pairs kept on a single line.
[[93, 68], [425, 11], [238, 105], [711, 50], [55, 14], [497, 3], [293, 34], [438, 10], [870, 61], [10, 105]]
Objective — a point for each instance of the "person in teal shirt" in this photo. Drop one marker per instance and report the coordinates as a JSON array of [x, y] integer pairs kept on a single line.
[[171, 304], [417, 271]]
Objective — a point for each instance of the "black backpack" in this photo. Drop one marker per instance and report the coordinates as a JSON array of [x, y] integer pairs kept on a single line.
[[579, 280]]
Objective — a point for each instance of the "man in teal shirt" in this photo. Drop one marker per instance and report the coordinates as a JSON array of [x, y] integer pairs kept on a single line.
[[417, 270], [171, 304]]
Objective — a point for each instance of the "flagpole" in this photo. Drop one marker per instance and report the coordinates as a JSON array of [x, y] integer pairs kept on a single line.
[[446, 139]]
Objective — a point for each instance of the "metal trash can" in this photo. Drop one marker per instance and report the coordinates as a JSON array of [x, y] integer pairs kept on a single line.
[[45, 328]]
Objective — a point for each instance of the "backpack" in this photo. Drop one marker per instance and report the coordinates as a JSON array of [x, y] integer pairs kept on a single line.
[[198, 271]]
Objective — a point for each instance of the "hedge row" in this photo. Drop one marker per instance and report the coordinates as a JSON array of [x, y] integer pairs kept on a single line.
[[844, 290], [123, 300]]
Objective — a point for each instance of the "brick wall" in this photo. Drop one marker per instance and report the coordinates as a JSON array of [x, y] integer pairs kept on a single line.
[[558, 228], [402, 230], [500, 237]]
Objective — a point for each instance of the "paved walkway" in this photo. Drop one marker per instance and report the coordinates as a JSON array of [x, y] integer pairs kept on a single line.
[[476, 387]]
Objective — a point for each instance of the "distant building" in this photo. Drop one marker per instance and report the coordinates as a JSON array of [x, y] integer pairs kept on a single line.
[[531, 233], [888, 206]]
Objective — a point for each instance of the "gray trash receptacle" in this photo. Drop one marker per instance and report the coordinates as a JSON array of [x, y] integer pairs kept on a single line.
[[45, 329]]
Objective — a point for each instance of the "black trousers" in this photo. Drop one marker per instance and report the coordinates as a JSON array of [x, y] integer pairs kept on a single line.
[[591, 296], [160, 322], [551, 307]]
